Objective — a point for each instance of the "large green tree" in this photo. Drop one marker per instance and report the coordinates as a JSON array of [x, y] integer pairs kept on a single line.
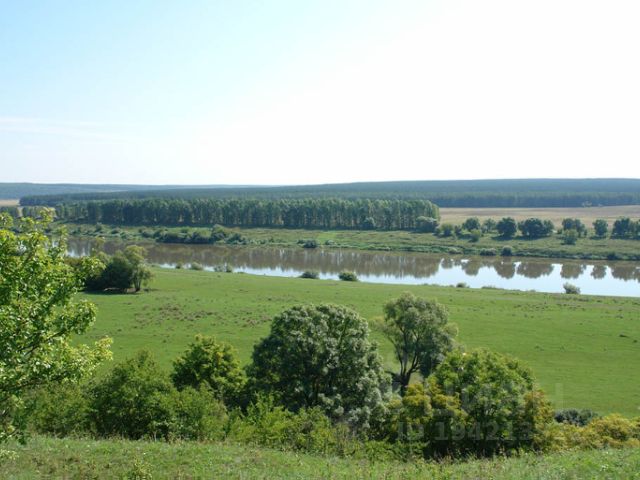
[[420, 333], [38, 316], [321, 356]]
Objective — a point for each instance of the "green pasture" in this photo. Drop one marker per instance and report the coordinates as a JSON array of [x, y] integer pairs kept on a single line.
[[584, 351]]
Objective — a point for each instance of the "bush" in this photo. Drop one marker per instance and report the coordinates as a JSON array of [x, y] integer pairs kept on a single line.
[[209, 363], [472, 223], [536, 228], [475, 235], [310, 244], [479, 403], [426, 224], [488, 252], [462, 285], [313, 274], [196, 266], [507, 251], [601, 228], [570, 237], [197, 414], [132, 400], [571, 289], [572, 416], [348, 276], [320, 356], [507, 227], [60, 410], [612, 431], [446, 230]]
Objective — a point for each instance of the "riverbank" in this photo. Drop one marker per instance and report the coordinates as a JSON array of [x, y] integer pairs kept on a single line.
[[587, 248]]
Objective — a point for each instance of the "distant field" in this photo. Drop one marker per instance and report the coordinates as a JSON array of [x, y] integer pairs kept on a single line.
[[9, 203], [69, 458], [586, 214], [582, 349]]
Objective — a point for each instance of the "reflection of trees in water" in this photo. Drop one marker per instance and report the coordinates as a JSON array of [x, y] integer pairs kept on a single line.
[[331, 262], [625, 271], [572, 270], [599, 271], [505, 268], [534, 269]]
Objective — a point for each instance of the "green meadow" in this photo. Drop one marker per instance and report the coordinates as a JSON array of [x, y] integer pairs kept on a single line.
[[68, 458], [583, 350]]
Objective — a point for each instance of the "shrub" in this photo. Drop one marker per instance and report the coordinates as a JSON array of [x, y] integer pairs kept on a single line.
[[313, 274], [197, 414], [426, 224], [131, 401], [369, 223], [209, 363], [571, 289], [321, 356], [348, 276], [60, 410], [601, 228], [478, 403], [489, 225], [488, 252], [507, 251], [507, 227], [462, 285], [472, 223], [570, 237], [446, 230], [475, 235], [536, 228], [196, 266], [576, 417], [310, 244]]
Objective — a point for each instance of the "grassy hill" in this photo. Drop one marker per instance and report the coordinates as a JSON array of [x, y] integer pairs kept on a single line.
[[66, 458], [581, 348]]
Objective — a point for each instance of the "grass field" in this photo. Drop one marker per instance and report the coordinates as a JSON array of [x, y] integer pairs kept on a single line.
[[582, 349], [66, 458], [586, 214], [9, 203]]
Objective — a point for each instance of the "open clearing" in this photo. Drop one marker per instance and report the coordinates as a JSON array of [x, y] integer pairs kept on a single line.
[[582, 349], [586, 214], [9, 203]]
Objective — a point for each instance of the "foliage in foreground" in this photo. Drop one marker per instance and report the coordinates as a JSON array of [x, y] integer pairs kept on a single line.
[[38, 317]]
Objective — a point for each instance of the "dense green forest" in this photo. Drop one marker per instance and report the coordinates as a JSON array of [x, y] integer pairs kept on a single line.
[[289, 213], [523, 193]]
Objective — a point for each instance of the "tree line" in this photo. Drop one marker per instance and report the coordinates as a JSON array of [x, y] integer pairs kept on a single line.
[[288, 213]]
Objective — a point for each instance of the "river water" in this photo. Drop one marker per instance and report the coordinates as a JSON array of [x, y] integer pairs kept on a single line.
[[544, 275]]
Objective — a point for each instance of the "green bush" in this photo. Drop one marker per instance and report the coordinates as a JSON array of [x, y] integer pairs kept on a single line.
[[321, 356], [475, 235], [576, 417], [571, 289], [209, 363], [488, 252], [60, 410], [196, 266], [507, 251], [479, 403], [197, 414], [310, 244], [570, 237], [348, 276], [446, 230], [133, 400], [426, 224], [313, 274]]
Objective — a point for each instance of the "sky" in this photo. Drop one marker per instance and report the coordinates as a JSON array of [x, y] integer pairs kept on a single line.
[[306, 92]]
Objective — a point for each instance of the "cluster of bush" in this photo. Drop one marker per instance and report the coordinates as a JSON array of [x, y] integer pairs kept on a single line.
[[316, 384], [123, 271], [507, 227], [217, 234]]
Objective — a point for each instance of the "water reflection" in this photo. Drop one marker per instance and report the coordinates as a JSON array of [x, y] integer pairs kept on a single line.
[[607, 278]]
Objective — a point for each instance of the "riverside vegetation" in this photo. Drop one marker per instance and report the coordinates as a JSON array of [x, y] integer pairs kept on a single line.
[[316, 383]]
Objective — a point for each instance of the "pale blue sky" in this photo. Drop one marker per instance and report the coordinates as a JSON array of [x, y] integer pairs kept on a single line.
[[285, 92]]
